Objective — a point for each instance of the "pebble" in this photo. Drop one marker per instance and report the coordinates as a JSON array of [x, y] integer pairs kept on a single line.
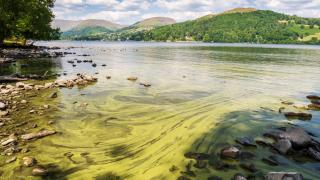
[[39, 171], [13, 159], [29, 161], [3, 106]]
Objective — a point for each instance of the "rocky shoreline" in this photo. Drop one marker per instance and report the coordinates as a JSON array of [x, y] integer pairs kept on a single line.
[[14, 134], [285, 141]]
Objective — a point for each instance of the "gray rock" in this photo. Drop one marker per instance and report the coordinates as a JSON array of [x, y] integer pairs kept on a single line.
[[283, 146], [283, 176], [298, 137]]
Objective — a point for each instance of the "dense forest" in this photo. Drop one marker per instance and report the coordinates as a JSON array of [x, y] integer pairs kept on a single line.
[[26, 19], [254, 27], [258, 26]]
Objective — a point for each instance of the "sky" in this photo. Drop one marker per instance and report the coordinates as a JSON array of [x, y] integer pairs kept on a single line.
[[127, 12]]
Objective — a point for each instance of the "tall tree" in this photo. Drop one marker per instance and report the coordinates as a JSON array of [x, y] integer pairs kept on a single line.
[[27, 19]]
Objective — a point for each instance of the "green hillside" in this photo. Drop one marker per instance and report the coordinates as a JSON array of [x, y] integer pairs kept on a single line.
[[86, 33], [249, 26]]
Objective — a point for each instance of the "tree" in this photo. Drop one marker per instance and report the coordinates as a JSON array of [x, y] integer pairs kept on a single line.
[[206, 38], [27, 19]]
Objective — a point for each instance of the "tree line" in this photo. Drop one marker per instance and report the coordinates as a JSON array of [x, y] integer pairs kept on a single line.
[[27, 19]]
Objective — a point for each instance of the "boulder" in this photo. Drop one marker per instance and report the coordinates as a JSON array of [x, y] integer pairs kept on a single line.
[[283, 176], [8, 141], [230, 152], [298, 137], [249, 167]]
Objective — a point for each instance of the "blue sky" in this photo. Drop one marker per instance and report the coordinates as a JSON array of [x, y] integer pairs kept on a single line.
[[130, 11]]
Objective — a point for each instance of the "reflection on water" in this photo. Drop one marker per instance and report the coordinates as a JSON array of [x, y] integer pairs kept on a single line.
[[201, 98]]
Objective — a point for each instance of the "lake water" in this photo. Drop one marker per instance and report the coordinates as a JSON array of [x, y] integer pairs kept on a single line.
[[202, 98]]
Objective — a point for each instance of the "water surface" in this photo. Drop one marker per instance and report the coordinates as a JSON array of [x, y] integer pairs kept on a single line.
[[202, 97]]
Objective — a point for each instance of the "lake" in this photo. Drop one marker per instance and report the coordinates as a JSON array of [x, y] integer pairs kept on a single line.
[[202, 97]]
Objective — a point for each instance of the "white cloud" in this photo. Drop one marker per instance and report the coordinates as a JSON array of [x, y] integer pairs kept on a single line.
[[128, 11]]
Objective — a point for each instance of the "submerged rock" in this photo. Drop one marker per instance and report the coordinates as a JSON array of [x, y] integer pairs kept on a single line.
[[53, 95], [283, 146], [13, 159], [239, 177], [271, 160], [197, 156], [300, 116], [132, 78], [200, 164], [314, 106], [246, 141], [29, 161], [230, 152], [37, 135], [298, 137], [145, 84], [249, 167], [283, 176], [39, 171]]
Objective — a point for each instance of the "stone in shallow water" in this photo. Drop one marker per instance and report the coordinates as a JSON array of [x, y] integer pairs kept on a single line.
[[300, 116], [200, 164], [298, 137], [271, 160], [283, 176], [13, 159], [29, 161], [230, 152], [249, 167], [246, 141], [283, 146], [198, 156], [39, 171], [37, 135], [239, 177], [53, 95]]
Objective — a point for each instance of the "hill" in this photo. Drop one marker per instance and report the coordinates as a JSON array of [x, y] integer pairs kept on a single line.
[[87, 29], [238, 25], [153, 22]]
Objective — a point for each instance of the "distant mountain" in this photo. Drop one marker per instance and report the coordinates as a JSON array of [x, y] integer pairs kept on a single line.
[[153, 22], [88, 29], [66, 25], [94, 29]]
